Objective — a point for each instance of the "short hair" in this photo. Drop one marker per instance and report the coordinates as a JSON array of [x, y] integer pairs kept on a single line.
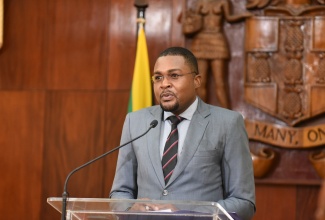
[[181, 51]]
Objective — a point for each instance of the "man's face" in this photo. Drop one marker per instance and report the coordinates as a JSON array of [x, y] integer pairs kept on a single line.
[[176, 90]]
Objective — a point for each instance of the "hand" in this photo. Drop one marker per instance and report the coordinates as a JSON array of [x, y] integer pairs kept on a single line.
[[162, 207], [146, 207]]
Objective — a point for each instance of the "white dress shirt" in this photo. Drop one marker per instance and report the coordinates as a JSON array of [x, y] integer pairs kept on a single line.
[[182, 127]]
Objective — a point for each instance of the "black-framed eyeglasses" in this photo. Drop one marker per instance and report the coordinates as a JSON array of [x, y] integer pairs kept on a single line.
[[171, 77]]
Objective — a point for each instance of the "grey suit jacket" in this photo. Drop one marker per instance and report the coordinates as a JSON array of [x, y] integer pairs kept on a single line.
[[215, 163]]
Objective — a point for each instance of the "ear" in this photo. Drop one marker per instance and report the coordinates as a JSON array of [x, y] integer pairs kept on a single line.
[[197, 81]]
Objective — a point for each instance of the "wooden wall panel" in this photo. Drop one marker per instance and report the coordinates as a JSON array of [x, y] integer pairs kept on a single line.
[[76, 46], [275, 202], [21, 54], [282, 202], [122, 44], [307, 197], [74, 134], [117, 102], [21, 157]]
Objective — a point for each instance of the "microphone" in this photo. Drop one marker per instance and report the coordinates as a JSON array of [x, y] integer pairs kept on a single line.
[[65, 193]]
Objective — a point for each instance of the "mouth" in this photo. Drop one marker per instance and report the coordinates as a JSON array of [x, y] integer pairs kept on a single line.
[[166, 96]]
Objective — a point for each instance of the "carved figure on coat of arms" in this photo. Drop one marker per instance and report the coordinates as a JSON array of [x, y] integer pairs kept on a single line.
[[204, 24]]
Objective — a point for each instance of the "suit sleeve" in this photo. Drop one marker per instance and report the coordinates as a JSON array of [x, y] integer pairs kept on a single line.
[[237, 171], [125, 182]]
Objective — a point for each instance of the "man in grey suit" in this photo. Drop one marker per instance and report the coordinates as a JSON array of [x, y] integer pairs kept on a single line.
[[212, 155]]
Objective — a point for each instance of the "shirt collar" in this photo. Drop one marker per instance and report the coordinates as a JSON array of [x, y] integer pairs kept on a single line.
[[187, 114]]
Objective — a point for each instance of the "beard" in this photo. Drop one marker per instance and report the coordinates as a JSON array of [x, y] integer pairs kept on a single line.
[[172, 105], [170, 108]]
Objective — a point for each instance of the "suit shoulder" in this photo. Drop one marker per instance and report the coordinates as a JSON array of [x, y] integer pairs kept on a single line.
[[144, 112]]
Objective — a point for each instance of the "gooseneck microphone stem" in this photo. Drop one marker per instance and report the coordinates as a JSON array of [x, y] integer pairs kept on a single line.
[[65, 193]]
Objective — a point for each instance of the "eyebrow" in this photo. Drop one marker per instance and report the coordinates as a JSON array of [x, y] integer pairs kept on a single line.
[[169, 71]]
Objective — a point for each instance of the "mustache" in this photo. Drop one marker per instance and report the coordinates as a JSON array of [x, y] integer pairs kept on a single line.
[[166, 92]]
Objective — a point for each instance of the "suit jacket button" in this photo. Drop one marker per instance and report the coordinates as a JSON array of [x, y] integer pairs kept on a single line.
[[165, 192]]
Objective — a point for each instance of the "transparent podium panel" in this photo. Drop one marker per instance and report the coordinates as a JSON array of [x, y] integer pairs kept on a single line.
[[129, 209]]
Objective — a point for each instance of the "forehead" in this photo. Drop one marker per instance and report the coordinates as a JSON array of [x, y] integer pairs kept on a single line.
[[167, 63]]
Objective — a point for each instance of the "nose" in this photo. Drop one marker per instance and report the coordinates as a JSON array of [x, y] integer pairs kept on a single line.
[[165, 83]]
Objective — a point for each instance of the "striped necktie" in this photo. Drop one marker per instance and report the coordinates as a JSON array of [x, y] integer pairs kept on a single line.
[[169, 158]]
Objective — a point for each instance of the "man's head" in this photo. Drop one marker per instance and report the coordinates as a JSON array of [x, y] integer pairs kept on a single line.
[[189, 57], [175, 79]]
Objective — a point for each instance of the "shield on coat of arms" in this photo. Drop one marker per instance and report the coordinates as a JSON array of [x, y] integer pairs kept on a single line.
[[285, 66]]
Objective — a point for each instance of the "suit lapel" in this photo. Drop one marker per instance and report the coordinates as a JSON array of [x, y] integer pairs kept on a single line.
[[153, 144], [194, 135]]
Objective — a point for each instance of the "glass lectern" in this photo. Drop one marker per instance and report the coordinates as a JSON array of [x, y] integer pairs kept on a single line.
[[121, 209]]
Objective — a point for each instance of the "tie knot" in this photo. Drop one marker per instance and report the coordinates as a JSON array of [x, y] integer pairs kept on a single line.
[[175, 119]]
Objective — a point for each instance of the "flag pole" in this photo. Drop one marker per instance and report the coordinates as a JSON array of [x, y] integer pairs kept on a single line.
[[141, 6]]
